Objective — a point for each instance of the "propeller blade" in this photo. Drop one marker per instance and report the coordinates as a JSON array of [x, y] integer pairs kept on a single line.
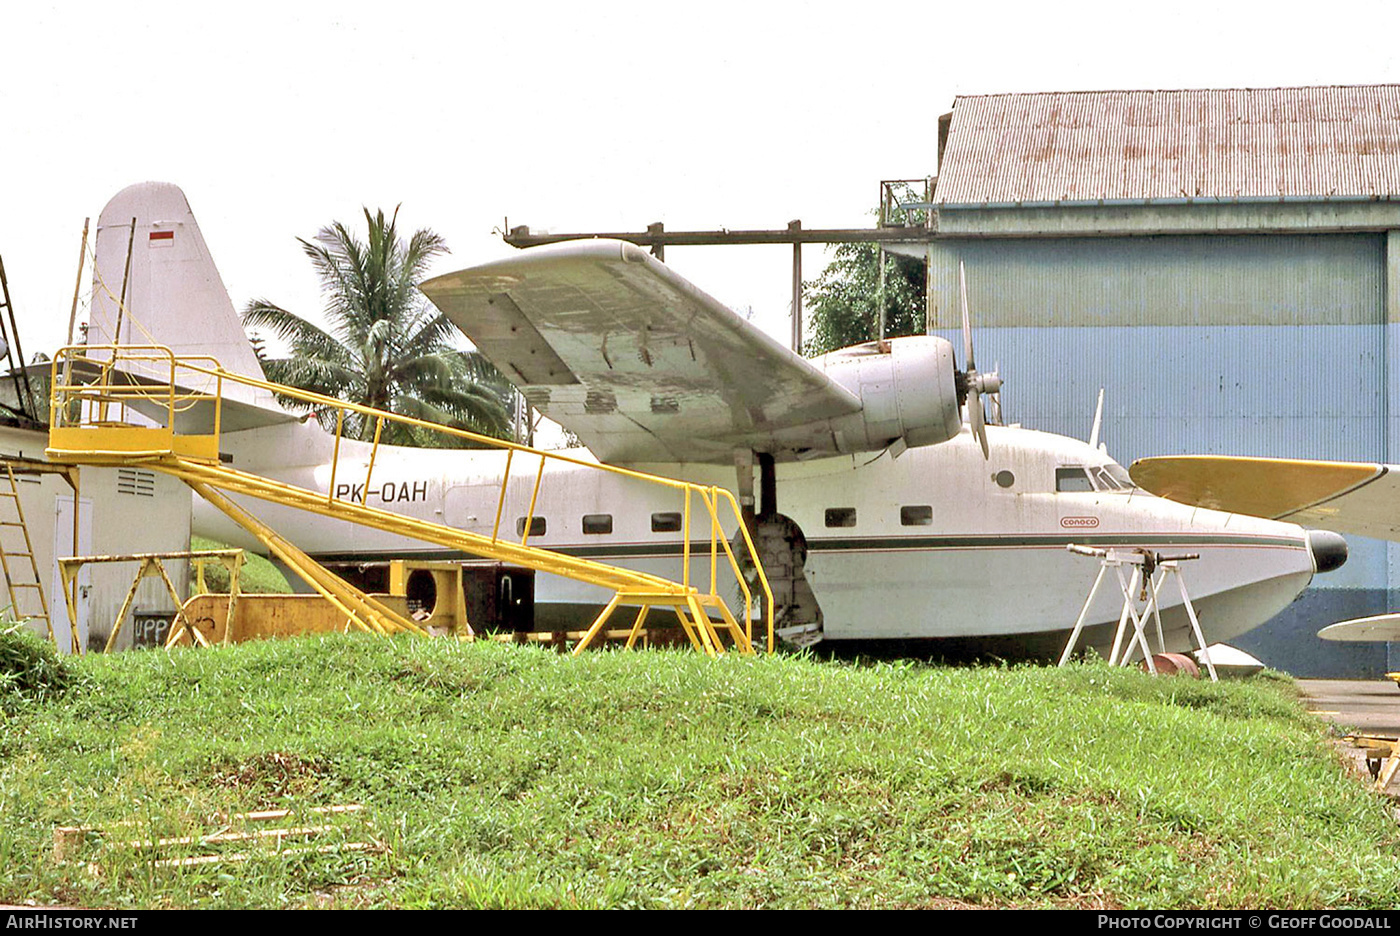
[[995, 393], [966, 320], [977, 384], [978, 419]]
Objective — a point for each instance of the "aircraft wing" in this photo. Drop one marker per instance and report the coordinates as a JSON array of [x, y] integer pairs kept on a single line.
[[1348, 497], [639, 363]]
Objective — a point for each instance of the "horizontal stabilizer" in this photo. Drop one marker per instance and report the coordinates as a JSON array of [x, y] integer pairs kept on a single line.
[[195, 413]]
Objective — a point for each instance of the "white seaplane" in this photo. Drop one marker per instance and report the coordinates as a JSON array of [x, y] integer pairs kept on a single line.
[[881, 515]]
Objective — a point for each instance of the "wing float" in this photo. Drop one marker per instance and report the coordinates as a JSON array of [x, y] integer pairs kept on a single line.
[[1377, 629]]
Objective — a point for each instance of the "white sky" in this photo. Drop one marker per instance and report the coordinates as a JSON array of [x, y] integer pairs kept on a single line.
[[278, 118]]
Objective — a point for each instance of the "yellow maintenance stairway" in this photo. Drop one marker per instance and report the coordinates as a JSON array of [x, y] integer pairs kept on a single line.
[[142, 405]]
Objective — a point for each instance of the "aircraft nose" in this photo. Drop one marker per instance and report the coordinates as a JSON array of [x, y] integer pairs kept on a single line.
[[1329, 550]]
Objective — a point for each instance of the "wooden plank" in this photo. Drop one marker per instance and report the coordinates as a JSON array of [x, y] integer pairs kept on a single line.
[[67, 839], [244, 856], [219, 838]]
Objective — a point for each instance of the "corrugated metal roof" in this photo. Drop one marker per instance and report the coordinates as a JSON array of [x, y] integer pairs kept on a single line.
[[1132, 146]]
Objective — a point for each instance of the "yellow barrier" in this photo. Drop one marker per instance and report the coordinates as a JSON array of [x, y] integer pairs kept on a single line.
[[151, 565]]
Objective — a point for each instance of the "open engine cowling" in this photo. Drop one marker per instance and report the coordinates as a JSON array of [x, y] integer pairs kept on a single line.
[[907, 388]]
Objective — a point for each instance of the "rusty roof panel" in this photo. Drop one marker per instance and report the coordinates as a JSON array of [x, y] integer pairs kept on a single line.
[[1134, 146]]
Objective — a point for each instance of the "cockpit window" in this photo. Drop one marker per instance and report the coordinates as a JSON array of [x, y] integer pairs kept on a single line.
[[1103, 480], [1110, 477], [1072, 481], [1120, 474]]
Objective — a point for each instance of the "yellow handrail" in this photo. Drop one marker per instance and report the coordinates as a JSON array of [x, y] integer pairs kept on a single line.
[[369, 471], [501, 503], [534, 497]]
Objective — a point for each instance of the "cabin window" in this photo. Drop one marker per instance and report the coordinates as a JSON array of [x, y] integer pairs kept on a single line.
[[1072, 481], [1004, 478], [537, 526], [667, 522], [917, 515], [597, 524], [840, 516]]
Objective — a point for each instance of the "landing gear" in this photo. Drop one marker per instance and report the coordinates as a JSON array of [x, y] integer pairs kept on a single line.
[[782, 548]]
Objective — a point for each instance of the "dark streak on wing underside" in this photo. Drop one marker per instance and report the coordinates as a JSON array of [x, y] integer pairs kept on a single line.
[[639, 363]]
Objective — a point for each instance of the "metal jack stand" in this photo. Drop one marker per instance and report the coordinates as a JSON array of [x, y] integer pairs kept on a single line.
[[1150, 571]]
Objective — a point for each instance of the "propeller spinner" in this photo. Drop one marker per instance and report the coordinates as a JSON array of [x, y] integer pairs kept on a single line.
[[976, 383]]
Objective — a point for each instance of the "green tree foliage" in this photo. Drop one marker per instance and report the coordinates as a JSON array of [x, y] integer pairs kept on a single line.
[[843, 305], [387, 346]]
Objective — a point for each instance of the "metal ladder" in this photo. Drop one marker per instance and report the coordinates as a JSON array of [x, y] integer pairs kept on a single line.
[[10, 495]]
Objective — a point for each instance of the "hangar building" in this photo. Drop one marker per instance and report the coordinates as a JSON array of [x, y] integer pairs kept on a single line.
[[1225, 263]]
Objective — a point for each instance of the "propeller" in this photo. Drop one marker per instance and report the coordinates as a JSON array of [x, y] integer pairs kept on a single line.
[[977, 384]]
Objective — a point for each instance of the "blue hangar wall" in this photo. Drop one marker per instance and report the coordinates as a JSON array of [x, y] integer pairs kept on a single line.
[[1279, 343]]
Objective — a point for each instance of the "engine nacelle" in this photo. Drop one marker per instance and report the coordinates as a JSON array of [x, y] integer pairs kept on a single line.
[[907, 389]]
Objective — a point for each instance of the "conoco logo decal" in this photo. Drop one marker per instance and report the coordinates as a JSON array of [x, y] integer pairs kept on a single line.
[[1079, 523]]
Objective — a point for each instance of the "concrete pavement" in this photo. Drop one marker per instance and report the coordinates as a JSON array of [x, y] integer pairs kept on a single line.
[[1363, 706]]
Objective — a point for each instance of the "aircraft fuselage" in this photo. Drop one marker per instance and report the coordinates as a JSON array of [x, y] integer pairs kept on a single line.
[[937, 543]]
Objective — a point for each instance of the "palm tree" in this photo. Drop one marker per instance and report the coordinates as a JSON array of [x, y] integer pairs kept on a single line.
[[387, 346]]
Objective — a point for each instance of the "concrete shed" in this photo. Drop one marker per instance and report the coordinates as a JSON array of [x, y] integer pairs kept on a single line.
[[1225, 263], [121, 510]]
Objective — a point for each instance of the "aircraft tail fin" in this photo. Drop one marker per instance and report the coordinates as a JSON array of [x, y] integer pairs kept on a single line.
[[155, 283]]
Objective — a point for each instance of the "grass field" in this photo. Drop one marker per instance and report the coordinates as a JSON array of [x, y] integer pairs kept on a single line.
[[499, 776]]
